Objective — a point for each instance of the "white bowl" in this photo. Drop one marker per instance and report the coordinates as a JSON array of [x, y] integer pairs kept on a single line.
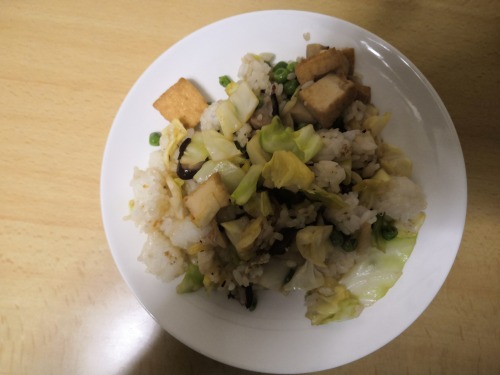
[[276, 337]]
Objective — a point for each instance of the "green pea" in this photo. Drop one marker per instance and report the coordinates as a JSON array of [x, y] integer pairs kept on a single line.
[[279, 65], [280, 75], [389, 232], [154, 138], [291, 67], [289, 87], [337, 238], [350, 244]]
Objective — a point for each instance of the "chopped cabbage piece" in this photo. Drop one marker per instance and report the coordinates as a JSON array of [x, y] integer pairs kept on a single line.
[[255, 151], [192, 280], [244, 101], [314, 243], [230, 174], [218, 146], [370, 188], [227, 115], [347, 165], [306, 277], [247, 186], [308, 141], [274, 274], [259, 205], [242, 233], [176, 208], [305, 143], [377, 123], [394, 161], [285, 170], [171, 135], [374, 274], [331, 302], [195, 153], [330, 200], [276, 137]]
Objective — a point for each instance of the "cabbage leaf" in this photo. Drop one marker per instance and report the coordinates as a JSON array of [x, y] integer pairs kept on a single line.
[[375, 273], [192, 280], [330, 200], [331, 302], [371, 188], [218, 146], [308, 141], [247, 186], [306, 277], [195, 153], [377, 123], [314, 243], [277, 137], [394, 161], [259, 205], [242, 233], [171, 135], [255, 152], [228, 118], [285, 170], [274, 274], [244, 101], [231, 175], [305, 143]]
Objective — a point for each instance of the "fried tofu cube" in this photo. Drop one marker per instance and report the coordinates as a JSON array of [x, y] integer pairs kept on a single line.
[[327, 98], [300, 114], [317, 66], [350, 56], [313, 49], [182, 101], [363, 93], [204, 202]]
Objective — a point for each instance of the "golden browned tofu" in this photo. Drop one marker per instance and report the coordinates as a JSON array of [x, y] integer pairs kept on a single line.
[[313, 49], [350, 56], [204, 202], [316, 66], [300, 114], [363, 93], [327, 98], [182, 101]]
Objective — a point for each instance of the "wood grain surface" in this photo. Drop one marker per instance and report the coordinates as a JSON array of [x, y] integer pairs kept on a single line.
[[66, 66]]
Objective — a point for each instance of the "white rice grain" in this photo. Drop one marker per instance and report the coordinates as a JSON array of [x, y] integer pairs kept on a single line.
[[161, 258]]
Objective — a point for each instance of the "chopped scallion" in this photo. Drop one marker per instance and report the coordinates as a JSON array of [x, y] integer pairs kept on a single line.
[[224, 81]]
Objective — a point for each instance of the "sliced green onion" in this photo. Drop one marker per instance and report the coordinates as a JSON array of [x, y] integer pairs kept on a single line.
[[224, 81]]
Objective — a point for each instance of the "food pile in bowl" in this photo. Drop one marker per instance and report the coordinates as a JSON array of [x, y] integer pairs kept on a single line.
[[285, 184]]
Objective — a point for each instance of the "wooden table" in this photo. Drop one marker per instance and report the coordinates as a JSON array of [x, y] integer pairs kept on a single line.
[[65, 67]]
